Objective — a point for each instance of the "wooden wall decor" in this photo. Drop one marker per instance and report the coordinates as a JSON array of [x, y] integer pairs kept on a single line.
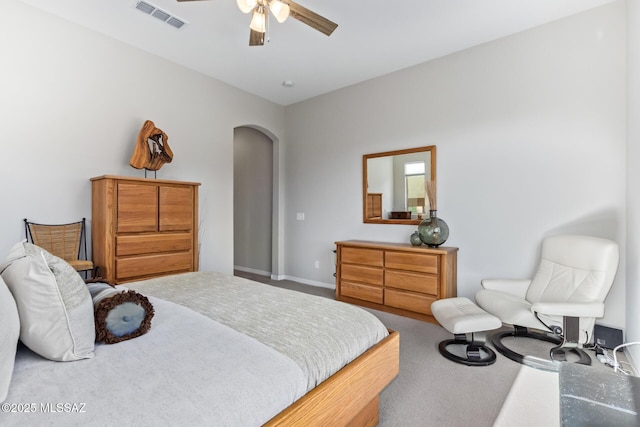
[[152, 148]]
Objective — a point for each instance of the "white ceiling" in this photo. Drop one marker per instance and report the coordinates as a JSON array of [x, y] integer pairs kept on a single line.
[[373, 37]]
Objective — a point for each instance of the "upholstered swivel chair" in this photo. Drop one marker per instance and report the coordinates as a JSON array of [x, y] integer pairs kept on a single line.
[[561, 302]]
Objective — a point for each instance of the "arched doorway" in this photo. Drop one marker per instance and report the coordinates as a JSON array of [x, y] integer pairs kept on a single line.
[[253, 178]]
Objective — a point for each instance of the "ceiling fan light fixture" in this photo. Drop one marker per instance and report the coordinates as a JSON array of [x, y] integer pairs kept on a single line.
[[258, 20], [246, 6], [280, 10]]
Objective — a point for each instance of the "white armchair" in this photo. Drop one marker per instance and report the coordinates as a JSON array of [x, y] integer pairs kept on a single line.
[[563, 299]]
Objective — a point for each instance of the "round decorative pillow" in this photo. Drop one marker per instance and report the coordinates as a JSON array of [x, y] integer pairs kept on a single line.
[[119, 314]]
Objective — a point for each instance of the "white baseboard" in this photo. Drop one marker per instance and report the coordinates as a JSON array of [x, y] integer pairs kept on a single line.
[[285, 277], [253, 271], [309, 282]]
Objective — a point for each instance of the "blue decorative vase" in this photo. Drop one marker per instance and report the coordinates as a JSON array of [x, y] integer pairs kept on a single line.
[[433, 231]]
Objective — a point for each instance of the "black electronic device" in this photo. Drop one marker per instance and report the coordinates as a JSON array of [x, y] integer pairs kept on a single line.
[[606, 337]]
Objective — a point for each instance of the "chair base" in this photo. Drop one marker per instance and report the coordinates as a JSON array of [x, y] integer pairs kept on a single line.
[[557, 354], [473, 350]]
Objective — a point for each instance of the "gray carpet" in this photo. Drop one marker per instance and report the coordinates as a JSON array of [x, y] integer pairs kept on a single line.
[[430, 390], [433, 391]]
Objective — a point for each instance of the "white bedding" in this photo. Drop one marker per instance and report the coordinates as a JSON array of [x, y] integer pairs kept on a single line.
[[257, 358], [319, 334], [169, 376]]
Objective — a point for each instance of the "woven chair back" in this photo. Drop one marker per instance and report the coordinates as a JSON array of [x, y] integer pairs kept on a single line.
[[60, 240]]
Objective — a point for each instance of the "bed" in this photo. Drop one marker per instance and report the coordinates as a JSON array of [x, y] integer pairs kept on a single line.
[[222, 350]]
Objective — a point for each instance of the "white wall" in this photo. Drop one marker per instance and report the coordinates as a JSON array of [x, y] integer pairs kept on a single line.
[[633, 178], [531, 141], [71, 104]]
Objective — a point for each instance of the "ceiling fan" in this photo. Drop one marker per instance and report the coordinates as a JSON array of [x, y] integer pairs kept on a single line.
[[281, 10]]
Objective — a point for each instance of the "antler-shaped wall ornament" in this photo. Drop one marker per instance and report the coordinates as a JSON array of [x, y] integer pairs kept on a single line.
[[152, 148]]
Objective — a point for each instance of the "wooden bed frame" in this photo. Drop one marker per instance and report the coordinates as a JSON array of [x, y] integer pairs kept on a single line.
[[350, 397]]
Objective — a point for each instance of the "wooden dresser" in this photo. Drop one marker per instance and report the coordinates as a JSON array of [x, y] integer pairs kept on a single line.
[[395, 277], [374, 205], [143, 228]]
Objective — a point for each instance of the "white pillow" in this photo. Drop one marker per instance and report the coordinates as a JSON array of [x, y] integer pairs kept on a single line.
[[54, 304], [9, 333]]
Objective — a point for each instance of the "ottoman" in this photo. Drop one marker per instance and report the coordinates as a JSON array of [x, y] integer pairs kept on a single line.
[[462, 317]]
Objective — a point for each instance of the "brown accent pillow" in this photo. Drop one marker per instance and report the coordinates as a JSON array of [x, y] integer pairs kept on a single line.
[[120, 315]]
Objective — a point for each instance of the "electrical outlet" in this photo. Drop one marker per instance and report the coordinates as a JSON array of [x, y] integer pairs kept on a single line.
[[317, 264], [300, 216]]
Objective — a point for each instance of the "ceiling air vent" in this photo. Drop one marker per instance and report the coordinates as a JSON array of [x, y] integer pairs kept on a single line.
[[160, 15], [144, 7], [166, 17], [175, 22]]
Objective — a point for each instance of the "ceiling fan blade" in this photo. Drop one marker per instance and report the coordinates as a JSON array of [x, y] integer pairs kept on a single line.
[[256, 38], [310, 18]]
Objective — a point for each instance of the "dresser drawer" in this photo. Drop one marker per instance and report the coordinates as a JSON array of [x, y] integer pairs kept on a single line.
[[152, 243], [423, 283], [362, 292], [150, 265], [424, 263], [362, 274], [371, 257], [408, 301]]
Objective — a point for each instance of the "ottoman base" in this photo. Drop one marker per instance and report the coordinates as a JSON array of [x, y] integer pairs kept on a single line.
[[476, 353], [462, 317]]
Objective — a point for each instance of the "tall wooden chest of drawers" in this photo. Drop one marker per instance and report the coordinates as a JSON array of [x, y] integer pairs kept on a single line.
[[395, 277], [143, 228]]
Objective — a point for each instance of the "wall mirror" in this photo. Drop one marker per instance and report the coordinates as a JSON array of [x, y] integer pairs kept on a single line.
[[394, 185]]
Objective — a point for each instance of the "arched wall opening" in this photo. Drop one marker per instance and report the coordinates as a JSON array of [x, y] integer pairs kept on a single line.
[[257, 242]]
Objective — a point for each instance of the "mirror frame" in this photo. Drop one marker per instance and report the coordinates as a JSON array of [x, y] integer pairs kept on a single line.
[[430, 148]]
